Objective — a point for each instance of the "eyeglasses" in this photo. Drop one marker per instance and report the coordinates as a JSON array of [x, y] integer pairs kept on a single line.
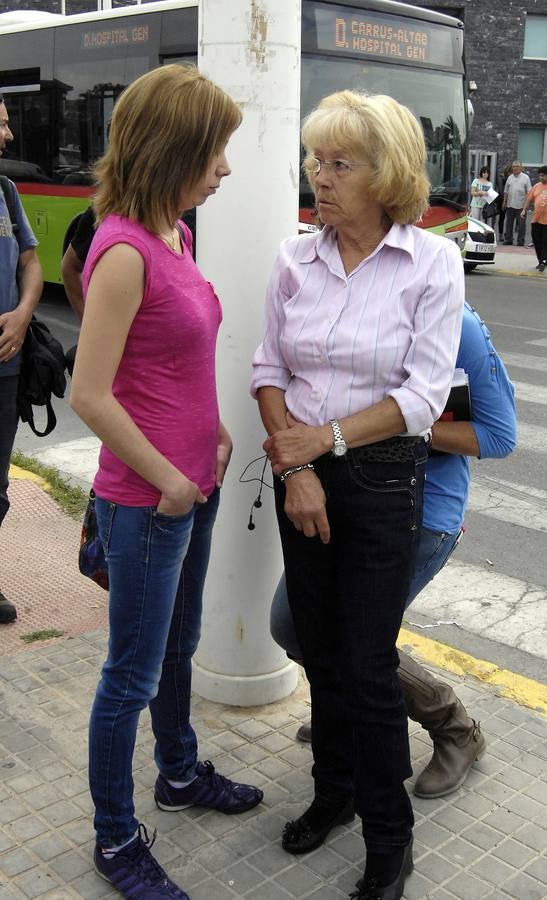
[[338, 167]]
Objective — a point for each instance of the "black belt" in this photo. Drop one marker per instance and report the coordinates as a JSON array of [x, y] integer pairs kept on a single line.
[[395, 449]]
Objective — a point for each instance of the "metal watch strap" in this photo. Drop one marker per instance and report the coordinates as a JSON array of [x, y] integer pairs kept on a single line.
[[339, 447]]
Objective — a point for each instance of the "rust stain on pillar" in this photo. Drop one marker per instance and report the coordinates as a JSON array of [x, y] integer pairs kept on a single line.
[[259, 33]]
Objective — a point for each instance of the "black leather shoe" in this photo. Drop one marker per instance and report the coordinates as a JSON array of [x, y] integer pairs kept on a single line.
[[370, 888], [314, 826]]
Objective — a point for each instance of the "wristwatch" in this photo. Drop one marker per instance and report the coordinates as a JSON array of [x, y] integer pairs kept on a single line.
[[340, 448]]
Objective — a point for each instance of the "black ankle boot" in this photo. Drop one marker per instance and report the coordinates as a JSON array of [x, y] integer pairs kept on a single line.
[[314, 826], [385, 876]]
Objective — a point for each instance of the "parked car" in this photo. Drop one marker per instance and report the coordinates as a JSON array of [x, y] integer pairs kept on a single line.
[[480, 245]]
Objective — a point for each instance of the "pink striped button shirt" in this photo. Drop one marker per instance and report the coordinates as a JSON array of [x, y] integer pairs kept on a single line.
[[337, 344]]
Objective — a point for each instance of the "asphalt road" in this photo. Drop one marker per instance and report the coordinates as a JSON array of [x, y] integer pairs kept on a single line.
[[494, 589]]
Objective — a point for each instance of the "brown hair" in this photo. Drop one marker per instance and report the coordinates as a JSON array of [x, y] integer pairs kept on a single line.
[[380, 131], [166, 128]]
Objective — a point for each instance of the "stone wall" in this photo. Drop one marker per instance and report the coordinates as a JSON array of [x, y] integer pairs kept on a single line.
[[510, 90]]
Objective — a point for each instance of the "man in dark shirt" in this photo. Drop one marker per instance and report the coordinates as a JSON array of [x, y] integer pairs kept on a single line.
[[74, 259]]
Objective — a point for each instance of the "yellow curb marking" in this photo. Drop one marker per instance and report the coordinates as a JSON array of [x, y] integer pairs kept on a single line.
[[15, 472], [517, 687], [512, 272]]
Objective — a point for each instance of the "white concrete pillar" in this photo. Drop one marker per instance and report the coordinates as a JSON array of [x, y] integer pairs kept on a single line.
[[252, 49]]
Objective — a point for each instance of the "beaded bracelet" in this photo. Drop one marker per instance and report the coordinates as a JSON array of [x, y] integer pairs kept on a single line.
[[288, 472]]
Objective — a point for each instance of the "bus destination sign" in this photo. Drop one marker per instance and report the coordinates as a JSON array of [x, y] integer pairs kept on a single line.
[[115, 37], [369, 34]]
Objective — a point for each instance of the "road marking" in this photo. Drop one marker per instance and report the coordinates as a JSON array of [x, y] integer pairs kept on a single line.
[[522, 361], [518, 504], [519, 327], [486, 602], [517, 687], [530, 393], [77, 458], [541, 342], [531, 437]]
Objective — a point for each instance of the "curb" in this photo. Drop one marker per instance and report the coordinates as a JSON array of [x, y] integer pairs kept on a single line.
[[18, 474], [513, 272], [522, 690]]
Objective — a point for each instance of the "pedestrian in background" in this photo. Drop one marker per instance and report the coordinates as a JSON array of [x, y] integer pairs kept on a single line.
[[20, 290], [479, 188], [346, 413], [516, 189], [537, 198], [144, 382]]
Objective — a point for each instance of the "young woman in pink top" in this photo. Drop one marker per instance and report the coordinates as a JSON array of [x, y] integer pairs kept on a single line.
[[144, 382]]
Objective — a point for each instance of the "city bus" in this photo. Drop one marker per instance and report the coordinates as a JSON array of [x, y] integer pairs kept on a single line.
[[61, 76]]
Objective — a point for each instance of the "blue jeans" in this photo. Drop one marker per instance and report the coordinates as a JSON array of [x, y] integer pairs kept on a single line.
[[156, 566], [433, 551], [347, 601], [9, 419]]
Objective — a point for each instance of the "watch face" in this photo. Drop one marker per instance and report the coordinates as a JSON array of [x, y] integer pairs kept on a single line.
[[340, 449]]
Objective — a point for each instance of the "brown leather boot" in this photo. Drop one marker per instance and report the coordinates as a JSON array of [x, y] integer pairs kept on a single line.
[[457, 739]]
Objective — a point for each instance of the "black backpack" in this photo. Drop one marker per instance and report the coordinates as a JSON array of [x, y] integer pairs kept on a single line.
[[42, 374], [7, 191]]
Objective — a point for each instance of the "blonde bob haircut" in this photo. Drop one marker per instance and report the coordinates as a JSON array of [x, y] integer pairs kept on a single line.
[[166, 128], [381, 132]]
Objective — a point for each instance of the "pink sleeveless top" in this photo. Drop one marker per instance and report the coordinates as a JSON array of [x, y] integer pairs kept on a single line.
[[166, 377]]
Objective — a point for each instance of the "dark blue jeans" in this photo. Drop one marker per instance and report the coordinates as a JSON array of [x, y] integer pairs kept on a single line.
[[433, 551], [347, 600], [9, 420], [156, 566]]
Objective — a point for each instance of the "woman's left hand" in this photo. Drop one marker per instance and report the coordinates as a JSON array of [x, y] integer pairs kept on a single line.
[[297, 445], [224, 452]]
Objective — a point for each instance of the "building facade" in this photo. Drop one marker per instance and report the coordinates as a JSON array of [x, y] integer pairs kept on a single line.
[[506, 55], [506, 59]]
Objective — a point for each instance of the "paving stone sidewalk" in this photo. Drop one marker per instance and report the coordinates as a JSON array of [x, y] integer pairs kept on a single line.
[[486, 840]]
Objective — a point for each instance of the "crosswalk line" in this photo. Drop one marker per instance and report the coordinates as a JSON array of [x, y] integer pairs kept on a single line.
[[77, 458], [531, 437], [530, 393], [485, 602], [516, 504], [523, 361]]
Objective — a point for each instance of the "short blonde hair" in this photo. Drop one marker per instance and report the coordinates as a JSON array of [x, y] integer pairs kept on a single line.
[[380, 131], [166, 128]]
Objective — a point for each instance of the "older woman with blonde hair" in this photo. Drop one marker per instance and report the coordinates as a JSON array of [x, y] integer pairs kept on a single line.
[[362, 328], [144, 382]]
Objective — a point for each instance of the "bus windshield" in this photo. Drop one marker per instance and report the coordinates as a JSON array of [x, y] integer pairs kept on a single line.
[[436, 99]]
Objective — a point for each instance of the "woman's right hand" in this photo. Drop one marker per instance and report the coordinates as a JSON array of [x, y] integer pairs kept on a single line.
[[179, 498], [305, 505]]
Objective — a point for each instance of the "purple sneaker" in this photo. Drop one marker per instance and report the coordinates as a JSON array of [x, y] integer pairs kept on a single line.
[[208, 789], [135, 872]]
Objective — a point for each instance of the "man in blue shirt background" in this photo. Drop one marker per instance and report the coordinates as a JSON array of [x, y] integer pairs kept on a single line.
[[20, 289], [490, 432]]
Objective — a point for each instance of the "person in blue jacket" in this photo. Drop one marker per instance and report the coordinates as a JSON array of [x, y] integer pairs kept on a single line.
[[490, 432]]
